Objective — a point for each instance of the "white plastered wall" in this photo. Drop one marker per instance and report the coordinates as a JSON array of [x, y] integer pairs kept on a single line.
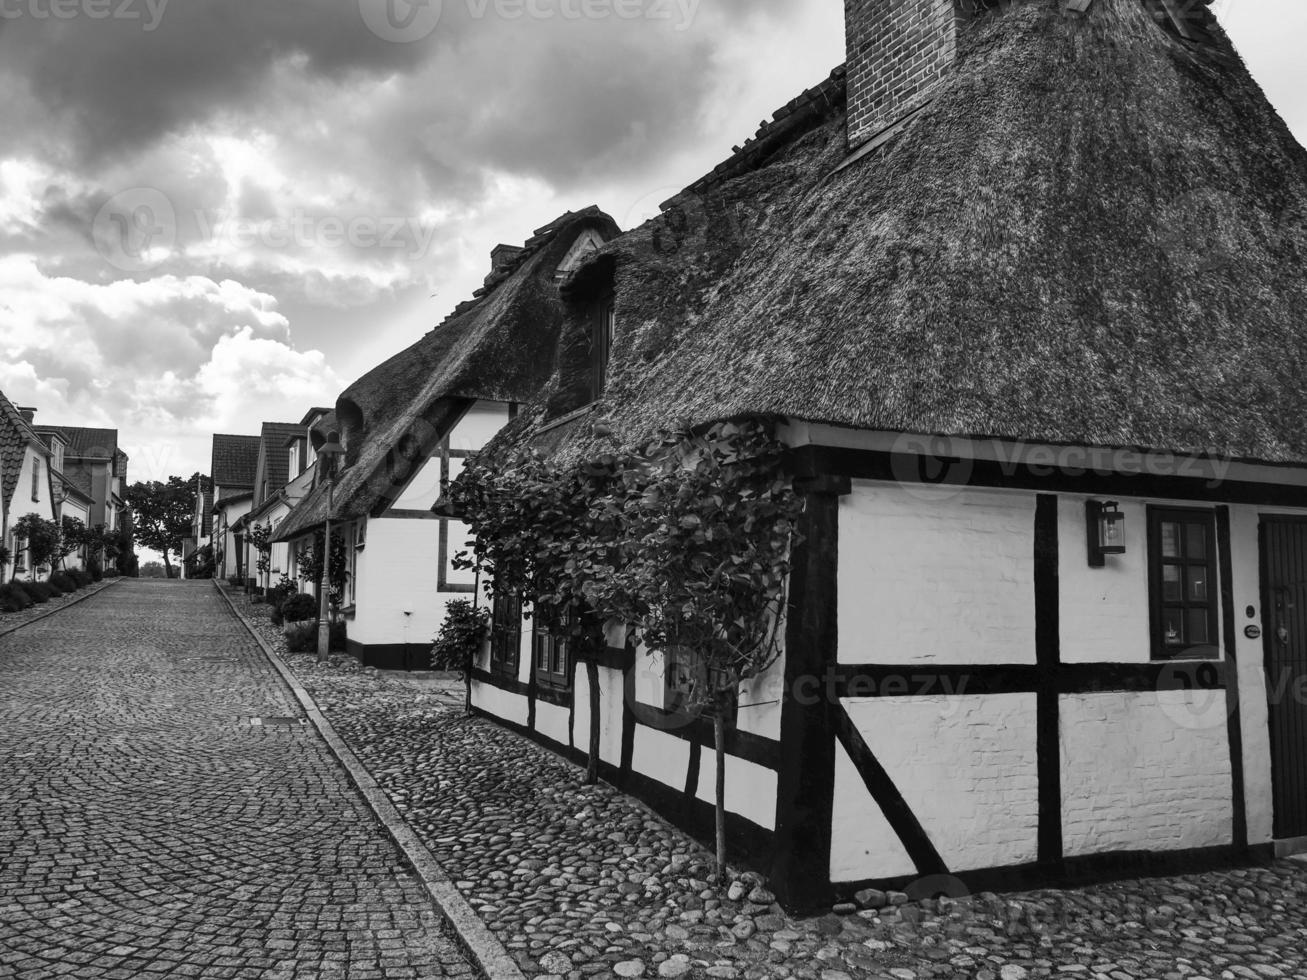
[[935, 575], [945, 576], [396, 593]]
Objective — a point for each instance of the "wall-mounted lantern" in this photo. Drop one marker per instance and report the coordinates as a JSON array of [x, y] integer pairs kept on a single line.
[[1105, 529]]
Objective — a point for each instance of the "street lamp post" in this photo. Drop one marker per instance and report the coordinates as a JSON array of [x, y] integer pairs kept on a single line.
[[327, 458]]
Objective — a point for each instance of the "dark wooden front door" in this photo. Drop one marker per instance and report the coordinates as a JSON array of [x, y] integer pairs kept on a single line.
[[1284, 638]]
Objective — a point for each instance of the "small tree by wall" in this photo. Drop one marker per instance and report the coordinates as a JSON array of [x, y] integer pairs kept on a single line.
[[685, 540], [73, 538], [41, 538], [260, 537]]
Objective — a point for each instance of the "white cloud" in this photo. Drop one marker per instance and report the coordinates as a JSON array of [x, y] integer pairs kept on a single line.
[[168, 360]]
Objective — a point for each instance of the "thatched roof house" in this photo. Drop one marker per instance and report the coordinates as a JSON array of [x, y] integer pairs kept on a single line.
[[1094, 232], [498, 346], [1006, 235]]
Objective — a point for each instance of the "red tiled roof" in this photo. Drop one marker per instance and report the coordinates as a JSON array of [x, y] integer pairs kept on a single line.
[[235, 460], [16, 434]]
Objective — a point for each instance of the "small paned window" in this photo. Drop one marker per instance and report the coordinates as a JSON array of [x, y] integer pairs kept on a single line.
[[1183, 584], [505, 634], [601, 342], [552, 643]]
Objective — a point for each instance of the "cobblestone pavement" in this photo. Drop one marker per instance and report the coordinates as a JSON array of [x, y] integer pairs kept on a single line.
[[150, 827], [583, 882]]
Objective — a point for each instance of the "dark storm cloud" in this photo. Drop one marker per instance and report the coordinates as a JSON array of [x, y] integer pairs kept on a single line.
[[121, 82], [114, 85]]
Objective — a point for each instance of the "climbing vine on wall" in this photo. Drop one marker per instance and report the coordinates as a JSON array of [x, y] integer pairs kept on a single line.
[[685, 540]]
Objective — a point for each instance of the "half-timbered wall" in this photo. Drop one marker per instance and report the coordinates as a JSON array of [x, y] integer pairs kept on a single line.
[[961, 693], [404, 573], [661, 756], [1000, 696]]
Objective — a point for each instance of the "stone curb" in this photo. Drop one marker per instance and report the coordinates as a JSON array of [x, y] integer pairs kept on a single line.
[[6, 630], [470, 932]]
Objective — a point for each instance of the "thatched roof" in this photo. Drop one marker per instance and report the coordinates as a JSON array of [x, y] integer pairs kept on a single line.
[[499, 346], [1094, 234]]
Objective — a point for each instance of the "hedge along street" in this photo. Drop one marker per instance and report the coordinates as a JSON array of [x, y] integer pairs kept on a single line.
[[164, 809]]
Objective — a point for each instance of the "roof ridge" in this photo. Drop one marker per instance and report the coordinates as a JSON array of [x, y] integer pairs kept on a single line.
[[541, 237], [809, 105]]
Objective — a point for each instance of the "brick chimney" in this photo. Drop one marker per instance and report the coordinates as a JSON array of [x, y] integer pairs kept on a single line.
[[503, 255], [28, 414], [897, 49]]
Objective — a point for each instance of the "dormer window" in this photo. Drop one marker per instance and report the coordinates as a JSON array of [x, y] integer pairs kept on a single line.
[[1183, 19], [586, 243], [294, 460], [603, 328]]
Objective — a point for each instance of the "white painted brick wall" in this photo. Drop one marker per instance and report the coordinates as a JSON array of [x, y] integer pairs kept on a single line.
[[610, 713], [936, 578], [479, 425], [750, 789], [966, 765], [423, 490], [1143, 771], [551, 722], [863, 844], [396, 573], [1254, 713], [1103, 611], [661, 756]]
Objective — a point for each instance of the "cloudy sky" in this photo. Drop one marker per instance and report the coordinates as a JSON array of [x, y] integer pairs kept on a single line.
[[312, 184]]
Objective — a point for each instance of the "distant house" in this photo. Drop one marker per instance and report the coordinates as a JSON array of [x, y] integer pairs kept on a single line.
[[26, 486], [232, 467], [201, 525], [94, 461], [1022, 291], [410, 422], [73, 499], [275, 493], [90, 476]]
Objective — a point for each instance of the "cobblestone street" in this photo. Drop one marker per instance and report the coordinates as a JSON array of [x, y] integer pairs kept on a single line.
[[582, 882], [165, 811]]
